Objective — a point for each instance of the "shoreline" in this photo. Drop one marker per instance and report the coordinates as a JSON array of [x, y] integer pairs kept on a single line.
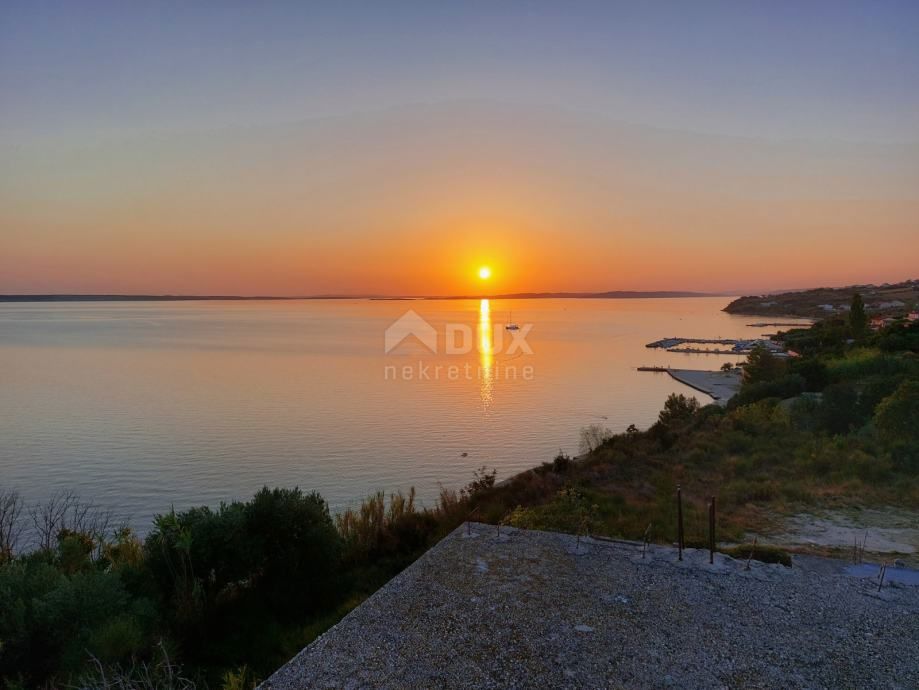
[[721, 386]]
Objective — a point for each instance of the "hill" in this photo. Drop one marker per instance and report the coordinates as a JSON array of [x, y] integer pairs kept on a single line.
[[880, 300]]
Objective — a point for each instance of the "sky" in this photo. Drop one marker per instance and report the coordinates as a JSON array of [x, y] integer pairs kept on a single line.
[[393, 148]]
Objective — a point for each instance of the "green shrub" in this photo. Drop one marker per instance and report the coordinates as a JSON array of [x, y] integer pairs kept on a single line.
[[839, 412], [813, 371], [900, 337], [377, 531], [864, 362], [569, 511], [49, 619], [786, 386], [897, 416], [119, 638], [295, 548], [873, 389]]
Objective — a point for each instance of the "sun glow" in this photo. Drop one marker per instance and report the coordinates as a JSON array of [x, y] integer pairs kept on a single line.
[[484, 272]]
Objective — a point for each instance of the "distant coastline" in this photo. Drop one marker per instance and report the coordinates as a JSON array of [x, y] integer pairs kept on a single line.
[[616, 294], [889, 299]]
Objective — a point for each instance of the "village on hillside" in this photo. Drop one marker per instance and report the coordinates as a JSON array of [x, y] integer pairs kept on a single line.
[[884, 303]]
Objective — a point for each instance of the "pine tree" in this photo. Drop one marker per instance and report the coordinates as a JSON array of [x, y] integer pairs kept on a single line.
[[858, 319]]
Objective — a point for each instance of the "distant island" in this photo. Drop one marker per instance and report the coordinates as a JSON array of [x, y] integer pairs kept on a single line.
[[130, 298], [614, 294], [880, 300]]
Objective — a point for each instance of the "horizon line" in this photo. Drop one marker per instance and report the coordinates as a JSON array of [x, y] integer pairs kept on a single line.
[[51, 297], [561, 294]]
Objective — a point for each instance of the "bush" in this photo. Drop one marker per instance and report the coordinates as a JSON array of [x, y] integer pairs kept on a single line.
[[827, 337], [838, 412], [897, 416], [483, 479], [570, 511], [295, 548], [813, 371], [375, 531], [785, 387], [592, 437], [873, 390], [901, 337], [281, 549], [862, 363], [760, 419], [50, 620], [561, 463]]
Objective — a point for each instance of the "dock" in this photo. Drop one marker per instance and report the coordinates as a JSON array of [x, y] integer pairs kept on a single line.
[[737, 346], [719, 385]]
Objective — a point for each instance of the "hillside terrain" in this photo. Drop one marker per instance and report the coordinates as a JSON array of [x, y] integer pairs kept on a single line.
[[880, 300]]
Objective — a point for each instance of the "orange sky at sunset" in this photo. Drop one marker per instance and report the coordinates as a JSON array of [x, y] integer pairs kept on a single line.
[[310, 148], [413, 201]]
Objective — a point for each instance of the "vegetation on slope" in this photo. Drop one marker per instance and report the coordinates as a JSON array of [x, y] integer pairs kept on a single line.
[[880, 300]]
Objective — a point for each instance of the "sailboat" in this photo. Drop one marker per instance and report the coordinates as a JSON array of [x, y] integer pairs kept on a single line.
[[511, 326]]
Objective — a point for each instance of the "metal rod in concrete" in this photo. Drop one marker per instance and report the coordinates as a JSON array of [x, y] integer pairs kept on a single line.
[[711, 531], [679, 522], [752, 551]]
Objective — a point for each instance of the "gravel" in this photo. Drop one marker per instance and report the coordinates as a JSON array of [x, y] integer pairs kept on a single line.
[[525, 609]]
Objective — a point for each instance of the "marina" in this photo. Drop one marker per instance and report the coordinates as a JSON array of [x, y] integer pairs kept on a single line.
[[742, 346]]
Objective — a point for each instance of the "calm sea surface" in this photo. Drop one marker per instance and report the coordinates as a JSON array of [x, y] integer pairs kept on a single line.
[[140, 406]]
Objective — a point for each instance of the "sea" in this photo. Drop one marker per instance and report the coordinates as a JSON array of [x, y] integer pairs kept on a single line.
[[139, 407]]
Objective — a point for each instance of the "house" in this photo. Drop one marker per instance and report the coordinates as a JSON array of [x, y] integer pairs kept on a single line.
[[879, 322]]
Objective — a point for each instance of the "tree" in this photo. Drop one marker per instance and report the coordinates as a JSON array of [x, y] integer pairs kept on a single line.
[[897, 416], [294, 546], [727, 366], [816, 376], [10, 524], [594, 436], [762, 365], [858, 319], [677, 409]]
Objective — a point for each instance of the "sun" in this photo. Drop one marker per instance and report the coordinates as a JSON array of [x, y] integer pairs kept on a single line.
[[484, 272]]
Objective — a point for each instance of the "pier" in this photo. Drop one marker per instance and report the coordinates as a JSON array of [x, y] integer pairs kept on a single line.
[[720, 385], [737, 346]]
